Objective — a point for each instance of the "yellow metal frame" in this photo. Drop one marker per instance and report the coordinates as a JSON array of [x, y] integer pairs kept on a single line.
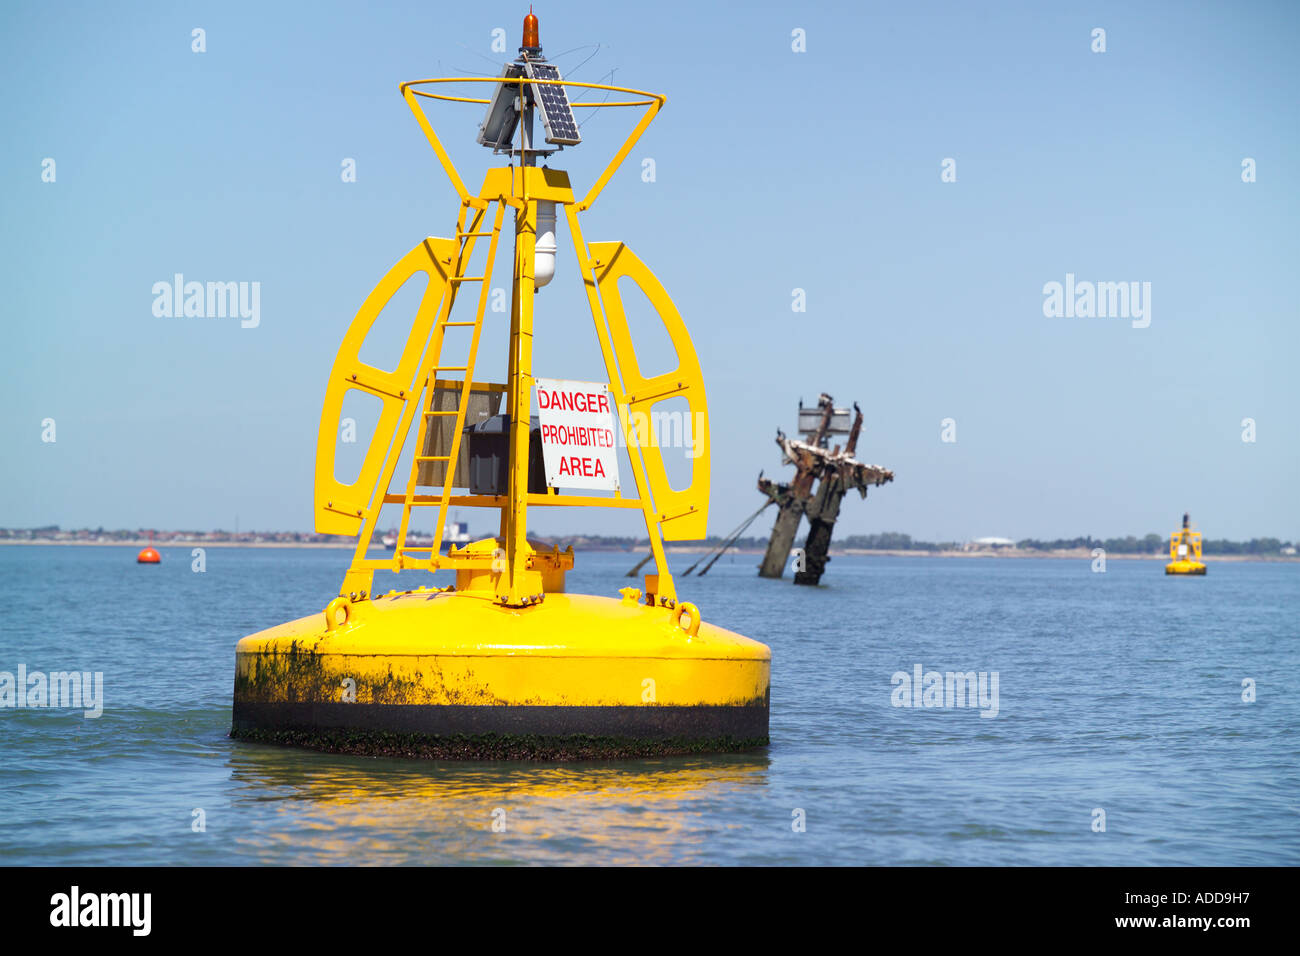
[[412, 88], [1193, 541], [354, 508]]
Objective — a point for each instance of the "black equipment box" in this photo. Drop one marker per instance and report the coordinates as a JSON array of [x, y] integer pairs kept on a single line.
[[489, 456]]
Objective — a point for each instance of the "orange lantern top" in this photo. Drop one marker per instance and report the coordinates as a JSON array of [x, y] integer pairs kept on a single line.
[[531, 41]]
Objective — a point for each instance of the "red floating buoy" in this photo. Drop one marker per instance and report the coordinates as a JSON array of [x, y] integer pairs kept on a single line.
[[148, 556]]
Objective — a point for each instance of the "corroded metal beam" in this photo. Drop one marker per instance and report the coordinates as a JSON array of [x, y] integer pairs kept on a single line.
[[832, 472]]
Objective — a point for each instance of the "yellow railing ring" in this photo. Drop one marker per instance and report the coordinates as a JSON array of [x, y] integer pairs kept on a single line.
[[654, 102], [332, 610], [688, 610], [520, 80]]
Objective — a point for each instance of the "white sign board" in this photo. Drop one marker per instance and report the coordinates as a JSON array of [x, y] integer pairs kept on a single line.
[[577, 421]]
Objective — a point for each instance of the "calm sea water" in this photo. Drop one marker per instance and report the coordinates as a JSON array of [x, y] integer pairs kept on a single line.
[[1119, 691]]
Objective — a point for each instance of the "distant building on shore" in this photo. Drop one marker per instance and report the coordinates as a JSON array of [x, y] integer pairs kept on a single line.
[[988, 544]]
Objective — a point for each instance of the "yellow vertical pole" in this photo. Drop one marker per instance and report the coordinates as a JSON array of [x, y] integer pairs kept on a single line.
[[511, 590], [633, 436]]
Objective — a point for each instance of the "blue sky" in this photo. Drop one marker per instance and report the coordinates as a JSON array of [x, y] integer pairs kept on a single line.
[[775, 170]]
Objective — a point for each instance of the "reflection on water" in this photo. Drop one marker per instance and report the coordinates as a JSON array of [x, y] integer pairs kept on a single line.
[[335, 809]]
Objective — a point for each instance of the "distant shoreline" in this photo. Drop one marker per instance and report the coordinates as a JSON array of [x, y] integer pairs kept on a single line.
[[1077, 554], [193, 543]]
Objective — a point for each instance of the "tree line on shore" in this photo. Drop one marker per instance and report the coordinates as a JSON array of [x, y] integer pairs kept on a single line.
[[897, 541], [881, 541], [1148, 544]]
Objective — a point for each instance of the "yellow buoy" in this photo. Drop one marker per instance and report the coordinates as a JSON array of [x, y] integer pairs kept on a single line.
[[1185, 550], [504, 663]]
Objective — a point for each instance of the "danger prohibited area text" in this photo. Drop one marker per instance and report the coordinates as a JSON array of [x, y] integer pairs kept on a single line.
[[577, 424]]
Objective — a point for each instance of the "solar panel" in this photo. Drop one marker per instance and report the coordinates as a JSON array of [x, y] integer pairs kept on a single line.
[[557, 115], [498, 126]]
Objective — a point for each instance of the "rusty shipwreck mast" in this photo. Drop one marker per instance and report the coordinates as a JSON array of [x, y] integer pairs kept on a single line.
[[822, 477]]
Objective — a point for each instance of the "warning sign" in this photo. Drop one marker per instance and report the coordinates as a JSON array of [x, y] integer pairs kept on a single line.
[[578, 446]]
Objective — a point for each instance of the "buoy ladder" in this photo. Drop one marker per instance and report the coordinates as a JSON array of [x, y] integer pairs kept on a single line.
[[467, 236]]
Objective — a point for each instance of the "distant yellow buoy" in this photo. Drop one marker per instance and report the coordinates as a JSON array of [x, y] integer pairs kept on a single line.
[[1185, 550]]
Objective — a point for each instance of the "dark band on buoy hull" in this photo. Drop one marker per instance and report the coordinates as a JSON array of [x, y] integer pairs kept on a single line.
[[450, 731]]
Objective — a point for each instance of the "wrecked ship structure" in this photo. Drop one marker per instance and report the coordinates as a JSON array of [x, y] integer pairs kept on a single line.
[[823, 475]]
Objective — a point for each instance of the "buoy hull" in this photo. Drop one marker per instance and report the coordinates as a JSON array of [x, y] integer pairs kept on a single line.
[[1184, 567], [453, 675], [148, 556]]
